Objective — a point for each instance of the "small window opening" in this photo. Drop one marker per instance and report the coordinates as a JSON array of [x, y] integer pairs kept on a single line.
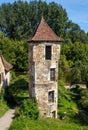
[[48, 53], [51, 96], [52, 74], [44, 114]]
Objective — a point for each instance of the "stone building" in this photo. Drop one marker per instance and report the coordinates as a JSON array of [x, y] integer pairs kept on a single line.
[[5, 68], [44, 53]]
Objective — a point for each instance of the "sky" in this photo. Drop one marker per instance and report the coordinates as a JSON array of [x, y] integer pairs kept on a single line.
[[77, 10]]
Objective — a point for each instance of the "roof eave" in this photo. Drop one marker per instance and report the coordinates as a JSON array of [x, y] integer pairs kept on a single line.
[[61, 40]]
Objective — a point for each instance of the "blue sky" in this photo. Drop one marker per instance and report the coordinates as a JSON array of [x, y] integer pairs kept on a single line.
[[77, 10]]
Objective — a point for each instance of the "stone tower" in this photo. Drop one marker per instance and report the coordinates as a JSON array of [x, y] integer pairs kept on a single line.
[[44, 54]]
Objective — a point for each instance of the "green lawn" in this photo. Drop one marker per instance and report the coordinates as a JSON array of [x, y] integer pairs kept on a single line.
[[71, 121], [3, 108], [46, 124], [3, 105]]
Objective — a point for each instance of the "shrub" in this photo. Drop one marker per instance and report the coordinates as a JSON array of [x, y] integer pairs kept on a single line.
[[1, 94], [18, 90], [66, 106], [83, 102], [29, 109], [13, 75], [3, 104]]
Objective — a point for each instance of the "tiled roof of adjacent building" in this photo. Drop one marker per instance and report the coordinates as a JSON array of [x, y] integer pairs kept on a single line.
[[7, 66], [44, 33]]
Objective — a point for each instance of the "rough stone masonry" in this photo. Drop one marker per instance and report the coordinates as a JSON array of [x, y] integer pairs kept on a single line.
[[44, 55]]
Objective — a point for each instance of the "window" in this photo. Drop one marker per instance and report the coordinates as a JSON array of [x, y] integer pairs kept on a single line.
[[52, 74], [48, 53], [51, 96]]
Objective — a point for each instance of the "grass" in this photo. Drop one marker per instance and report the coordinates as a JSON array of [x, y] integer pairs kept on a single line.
[[3, 108], [45, 124], [18, 90], [70, 120], [3, 104]]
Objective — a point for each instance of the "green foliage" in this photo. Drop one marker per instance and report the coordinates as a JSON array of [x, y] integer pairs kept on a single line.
[[67, 109], [13, 75], [3, 104], [57, 18], [83, 102], [18, 93], [66, 106], [29, 109], [45, 124], [79, 72], [18, 89], [73, 64], [76, 34], [15, 52], [7, 48], [19, 19], [21, 56], [1, 93], [75, 52]]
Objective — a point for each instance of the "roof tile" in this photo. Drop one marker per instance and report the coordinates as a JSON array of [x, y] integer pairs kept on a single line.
[[44, 33], [6, 65]]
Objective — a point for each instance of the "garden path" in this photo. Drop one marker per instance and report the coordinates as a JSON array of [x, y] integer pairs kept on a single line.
[[6, 120]]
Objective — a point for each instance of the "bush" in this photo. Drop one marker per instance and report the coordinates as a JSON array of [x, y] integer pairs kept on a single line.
[[1, 94], [66, 106], [3, 104], [83, 102], [29, 109], [18, 90], [13, 75]]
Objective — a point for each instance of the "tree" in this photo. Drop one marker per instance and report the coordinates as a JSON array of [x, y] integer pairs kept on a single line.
[[57, 18], [74, 59], [75, 33], [7, 48], [15, 52], [21, 56], [14, 23], [19, 19], [83, 102]]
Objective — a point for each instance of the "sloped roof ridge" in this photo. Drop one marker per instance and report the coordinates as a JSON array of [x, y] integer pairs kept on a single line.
[[6, 64], [43, 32]]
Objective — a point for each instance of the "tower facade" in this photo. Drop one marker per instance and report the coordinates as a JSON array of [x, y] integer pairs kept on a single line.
[[44, 54]]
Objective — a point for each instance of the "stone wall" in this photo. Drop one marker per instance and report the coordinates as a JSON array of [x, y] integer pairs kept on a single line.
[[39, 51], [39, 71], [5, 77], [2, 73]]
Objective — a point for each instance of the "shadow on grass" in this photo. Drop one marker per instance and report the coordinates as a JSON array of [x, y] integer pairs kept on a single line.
[[17, 91], [77, 120]]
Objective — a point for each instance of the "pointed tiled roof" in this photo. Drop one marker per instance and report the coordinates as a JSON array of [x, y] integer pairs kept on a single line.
[[7, 66], [44, 33]]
